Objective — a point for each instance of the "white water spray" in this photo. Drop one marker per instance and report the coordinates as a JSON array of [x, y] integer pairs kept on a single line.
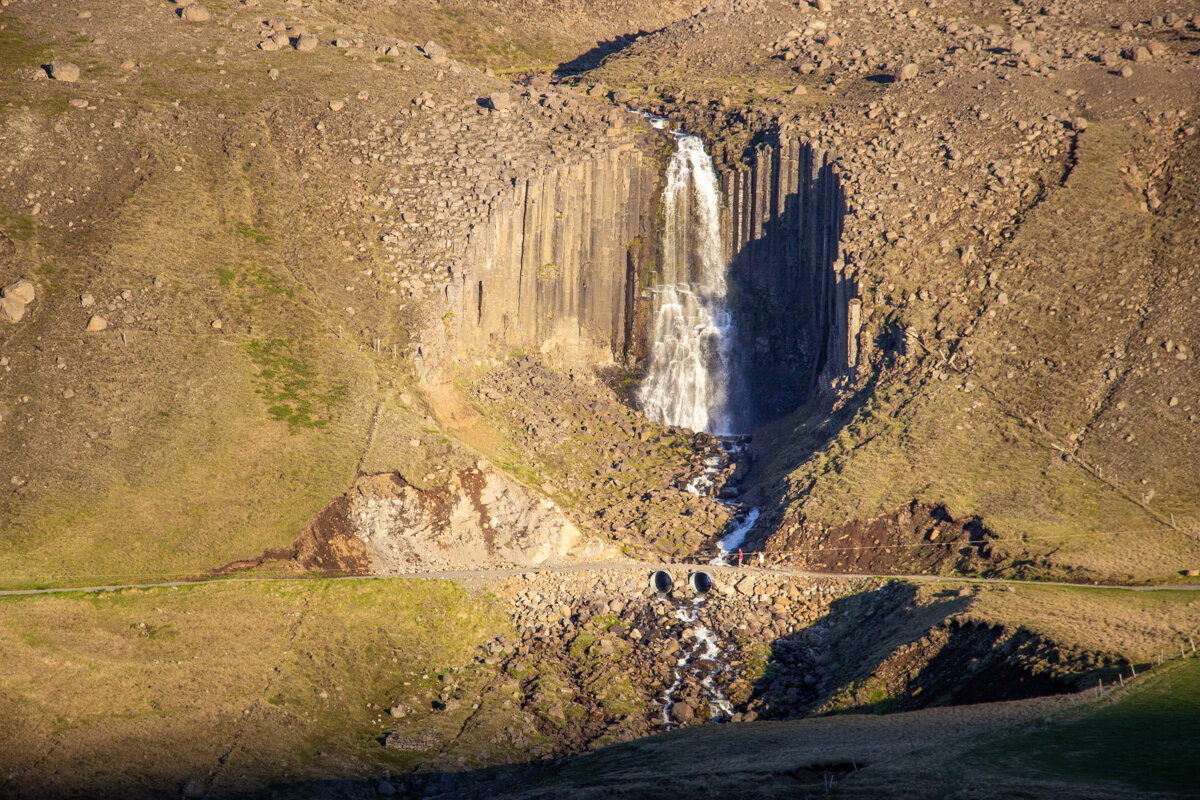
[[706, 648], [688, 379]]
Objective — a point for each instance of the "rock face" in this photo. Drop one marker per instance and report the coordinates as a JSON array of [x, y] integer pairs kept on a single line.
[[557, 267], [479, 518], [793, 295]]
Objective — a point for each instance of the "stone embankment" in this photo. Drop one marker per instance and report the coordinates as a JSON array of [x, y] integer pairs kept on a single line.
[[604, 656]]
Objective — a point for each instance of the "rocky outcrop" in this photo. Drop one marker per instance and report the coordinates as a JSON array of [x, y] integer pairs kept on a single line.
[[479, 518], [792, 297], [557, 267]]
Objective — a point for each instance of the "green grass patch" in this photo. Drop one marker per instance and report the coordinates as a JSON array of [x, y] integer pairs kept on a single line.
[[1149, 739], [19, 52], [291, 386], [17, 226], [252, 233]]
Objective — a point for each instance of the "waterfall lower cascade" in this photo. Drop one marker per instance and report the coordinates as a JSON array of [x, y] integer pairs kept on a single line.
[[688, 379], [704, 657]]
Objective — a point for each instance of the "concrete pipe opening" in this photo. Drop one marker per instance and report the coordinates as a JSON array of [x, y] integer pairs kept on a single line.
[[660, 581], [700, 582]]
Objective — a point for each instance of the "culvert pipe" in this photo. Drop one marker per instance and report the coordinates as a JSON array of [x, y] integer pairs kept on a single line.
[[700, 581], [660, 581]]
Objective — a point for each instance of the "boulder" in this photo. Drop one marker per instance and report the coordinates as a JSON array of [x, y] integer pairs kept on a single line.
[[305, 43], [499, 101], [64, 71], [1020, 47], [11, 309], [682, 713], [194, 12], [14, 298], [435, 52], [22, 290], [97, 323], [906, 72]]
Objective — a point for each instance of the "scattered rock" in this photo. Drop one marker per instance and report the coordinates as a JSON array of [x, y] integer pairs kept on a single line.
[[305, 43], [97, 323], [907, 72], [22, 290], [11, 309], [14, 298], [681, 712], [499, 101], [86, 300], [64, 71], [435, 52], [194, 12], [1021, 47]]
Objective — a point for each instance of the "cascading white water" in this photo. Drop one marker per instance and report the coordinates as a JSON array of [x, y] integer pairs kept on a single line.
[[688, 379]]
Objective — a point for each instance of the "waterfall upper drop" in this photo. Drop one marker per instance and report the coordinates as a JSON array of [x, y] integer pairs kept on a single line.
[[688, 381]]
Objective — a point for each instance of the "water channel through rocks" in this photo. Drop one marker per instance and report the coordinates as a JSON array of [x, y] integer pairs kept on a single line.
[[692, 380]]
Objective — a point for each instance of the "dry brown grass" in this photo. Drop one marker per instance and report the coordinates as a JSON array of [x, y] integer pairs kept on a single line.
[[137, 691]]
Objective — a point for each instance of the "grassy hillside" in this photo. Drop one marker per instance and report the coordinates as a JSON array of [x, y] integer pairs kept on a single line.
[[236, 685]]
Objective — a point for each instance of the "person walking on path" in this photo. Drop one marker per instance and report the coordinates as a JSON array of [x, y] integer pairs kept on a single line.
[[739, 556]]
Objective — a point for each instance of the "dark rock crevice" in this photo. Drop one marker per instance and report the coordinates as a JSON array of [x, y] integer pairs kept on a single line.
[[794, 303]]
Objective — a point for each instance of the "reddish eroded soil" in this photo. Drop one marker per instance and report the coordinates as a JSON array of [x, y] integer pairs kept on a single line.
[[327, 546], [328, 543], [915, 539]]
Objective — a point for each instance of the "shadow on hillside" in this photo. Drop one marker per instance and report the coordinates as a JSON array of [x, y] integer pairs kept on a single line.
[[883, 651], [923, 657], [593, 57]]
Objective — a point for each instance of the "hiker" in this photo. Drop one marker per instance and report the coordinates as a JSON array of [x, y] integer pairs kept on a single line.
[[739, 556]]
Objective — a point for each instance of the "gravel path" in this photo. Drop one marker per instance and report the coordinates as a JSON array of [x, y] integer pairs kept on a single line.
[[470, 574]]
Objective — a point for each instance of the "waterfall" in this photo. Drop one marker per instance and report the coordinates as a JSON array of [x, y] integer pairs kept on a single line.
[[687, 383]]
